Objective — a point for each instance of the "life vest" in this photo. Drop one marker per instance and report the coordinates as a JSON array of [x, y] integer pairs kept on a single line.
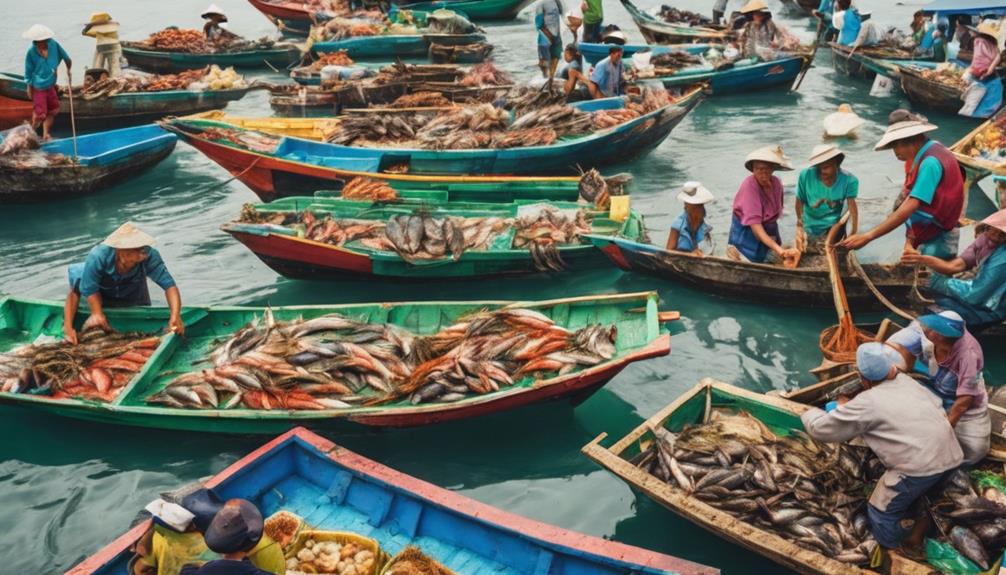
[[948, 200]]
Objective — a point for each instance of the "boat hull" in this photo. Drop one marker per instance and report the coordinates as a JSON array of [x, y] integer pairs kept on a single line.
[[307, 475], [760, 282], [659, 32], [168, 62], [477, 10], [743, 79], [929, 94]]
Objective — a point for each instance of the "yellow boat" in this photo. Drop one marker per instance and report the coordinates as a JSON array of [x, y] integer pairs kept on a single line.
[[307, 128]]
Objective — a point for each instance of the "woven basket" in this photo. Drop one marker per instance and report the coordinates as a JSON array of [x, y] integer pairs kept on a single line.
[[412, 561], [342, 538]]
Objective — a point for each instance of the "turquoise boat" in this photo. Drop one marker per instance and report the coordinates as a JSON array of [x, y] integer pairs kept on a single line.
[[126, 107], [636, 317], [478, 10], [332, 488], [144, 58], [657, 31], [102, 159], [594, 53], [865, 65], [285, 250], [389, 46]]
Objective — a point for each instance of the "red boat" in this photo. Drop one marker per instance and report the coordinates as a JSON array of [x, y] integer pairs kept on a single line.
[[13, 112]]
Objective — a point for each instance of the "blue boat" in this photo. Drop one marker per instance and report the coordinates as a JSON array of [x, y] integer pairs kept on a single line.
[[945, 8], [332, 488], [594, 53], [389, 46], [103, 158]]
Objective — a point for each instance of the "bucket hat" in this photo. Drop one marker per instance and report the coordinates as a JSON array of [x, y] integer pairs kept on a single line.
[[695, 193]]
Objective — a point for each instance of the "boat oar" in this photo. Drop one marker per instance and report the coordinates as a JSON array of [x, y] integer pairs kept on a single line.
[[813, 52], [73, 118]]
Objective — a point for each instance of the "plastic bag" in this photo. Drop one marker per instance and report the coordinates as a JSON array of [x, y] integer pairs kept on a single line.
[[944, 557], [882, 87], [18, 139]]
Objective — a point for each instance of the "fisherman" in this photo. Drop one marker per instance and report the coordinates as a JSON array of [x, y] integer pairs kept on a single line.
[[980, 300], [903, 424], [825, 11], [215, 28], [869, 34], [932, 197], [572, 72], [939, 347], [923, 34], [547, 19], [847, 21], [822, 192], [754, 230], [108, 51], [984, 94], [720, 10], [608, 78], [180, 536], [115, 275], [760, 36], [40, 66], [234, 533], [593, 18], [690, 229]]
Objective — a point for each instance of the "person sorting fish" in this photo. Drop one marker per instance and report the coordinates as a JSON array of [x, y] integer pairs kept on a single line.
[[904, 425], [180, 537], [215, 28], [40, 66], [608, 78], [984, 94], [690, 229], [234, 533], [572, 72], [979, 300], [115, 275], [939, 347], [822, 192], [932, 196], [108, 51], [754, 230]]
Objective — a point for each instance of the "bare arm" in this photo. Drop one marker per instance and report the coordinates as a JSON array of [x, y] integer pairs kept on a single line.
[[174, 297], [763, 237], [70, 312], [801, 233], [672, 239], [854, 215], [97, 318], [595, 93], [895, 219], [945, 267], [959, 408]]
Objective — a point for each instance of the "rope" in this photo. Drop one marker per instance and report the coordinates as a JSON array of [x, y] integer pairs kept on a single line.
[[216, 185], [861, 273], [915, 287]]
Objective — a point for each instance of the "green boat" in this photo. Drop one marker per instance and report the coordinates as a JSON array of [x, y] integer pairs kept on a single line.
[[139, 56], [479, 10], [636, 317], [288, 252]]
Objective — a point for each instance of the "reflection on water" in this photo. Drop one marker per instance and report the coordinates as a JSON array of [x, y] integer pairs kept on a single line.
[[76, 485]]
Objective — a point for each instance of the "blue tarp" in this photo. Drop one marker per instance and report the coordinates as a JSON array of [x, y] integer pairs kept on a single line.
[[971, 7]]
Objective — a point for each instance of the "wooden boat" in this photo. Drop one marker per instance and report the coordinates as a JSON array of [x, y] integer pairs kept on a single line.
[[460, 54], [982, 166], [272, 177], [866, 63], [656, 31], [690, 408], [336, 489], [283, 250], [631, 138], [389, 46], [476, 10], [930, 94], [636, 316], [303, 102], [103, 159], [127, 107], [593, 53], [804, 287], [740, 79], [13, 112], [139, 56], [292, 18]]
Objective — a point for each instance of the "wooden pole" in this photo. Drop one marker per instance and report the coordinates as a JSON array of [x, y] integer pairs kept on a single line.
[[73, 118], [810, 59]]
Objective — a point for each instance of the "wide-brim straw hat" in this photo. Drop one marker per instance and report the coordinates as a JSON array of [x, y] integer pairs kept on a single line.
[[213, 9], [824, 152], [129, 237], [843, 122], [616, 37], [99, 19], [754, 6], [770, 154], [987, 27], [902, 130], [38, 33], [695, 193]]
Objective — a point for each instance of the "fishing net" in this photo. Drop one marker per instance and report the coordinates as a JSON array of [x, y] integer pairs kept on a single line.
[[838, 343], [412, 561]]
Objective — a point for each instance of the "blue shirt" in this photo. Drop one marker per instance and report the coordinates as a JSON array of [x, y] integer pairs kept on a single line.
[[850, 27], [573, 64], [608, 77], [926, 181], [98, 274], [40, 72], [985, 295], [686, 242]]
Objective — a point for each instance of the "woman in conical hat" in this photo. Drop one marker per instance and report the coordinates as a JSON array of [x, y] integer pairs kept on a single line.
[[115, 275], [760, 34], [754, 230]]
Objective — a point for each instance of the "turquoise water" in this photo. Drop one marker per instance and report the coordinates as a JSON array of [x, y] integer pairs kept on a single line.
[[68, 487]]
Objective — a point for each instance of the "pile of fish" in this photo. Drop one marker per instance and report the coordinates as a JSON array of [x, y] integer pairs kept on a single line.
[[337, 58], [335, 362], [363, 188], [651, 100], [678, 16], [948, 74], [421, 100], [543, 231], [342, 28], [486, 74], [209, 78], [974, 521], [523, 99], [178, 40], [19, 149], [97, 368], [807, 492], [667, 63]]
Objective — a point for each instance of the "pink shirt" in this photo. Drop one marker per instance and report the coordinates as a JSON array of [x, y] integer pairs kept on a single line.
[[984, 53], [754, 206]]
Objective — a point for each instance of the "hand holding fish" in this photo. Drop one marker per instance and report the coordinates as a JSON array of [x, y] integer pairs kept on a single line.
[[176, 325], [70, 334], [97, 320]]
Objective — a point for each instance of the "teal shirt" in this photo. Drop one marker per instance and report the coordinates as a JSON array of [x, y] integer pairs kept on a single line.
[[928, 178], [823, 205], [98, 274], [40, 72]]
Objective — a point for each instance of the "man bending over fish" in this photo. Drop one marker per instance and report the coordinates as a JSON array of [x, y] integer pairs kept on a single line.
[[115, 275], [903, 423]]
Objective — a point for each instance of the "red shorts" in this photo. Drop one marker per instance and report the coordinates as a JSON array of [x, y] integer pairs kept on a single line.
[[46, 102]]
